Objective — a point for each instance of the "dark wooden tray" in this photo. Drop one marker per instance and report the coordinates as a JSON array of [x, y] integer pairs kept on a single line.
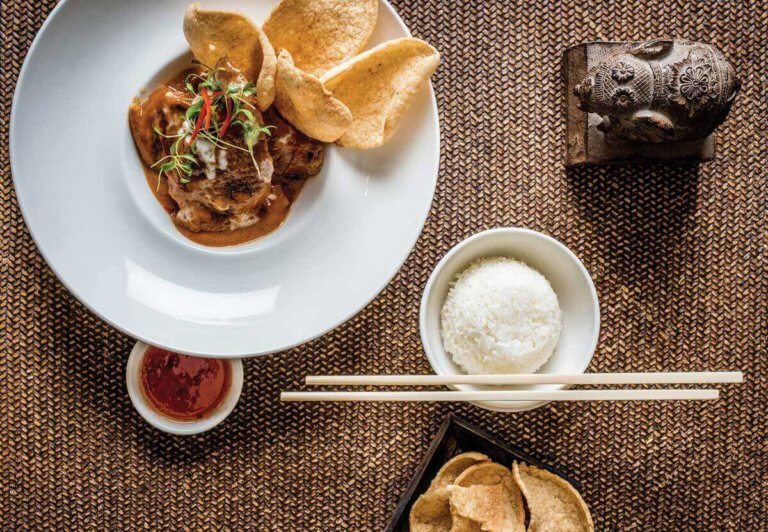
[[457, 436]]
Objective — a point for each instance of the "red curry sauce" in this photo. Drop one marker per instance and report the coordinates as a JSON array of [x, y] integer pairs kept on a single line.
[[181, 387]]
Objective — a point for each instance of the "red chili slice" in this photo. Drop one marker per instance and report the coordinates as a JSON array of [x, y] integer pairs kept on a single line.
[[207, 108], [198, 124], [228, 119]]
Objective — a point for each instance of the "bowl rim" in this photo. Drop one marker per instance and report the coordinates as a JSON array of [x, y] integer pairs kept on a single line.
[[432, 357], [165, 424]]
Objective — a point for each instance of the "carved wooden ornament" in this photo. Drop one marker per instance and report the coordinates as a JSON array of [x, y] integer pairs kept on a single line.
[[654, 100]]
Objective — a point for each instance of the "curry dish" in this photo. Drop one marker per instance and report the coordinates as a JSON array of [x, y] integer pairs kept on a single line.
[[225, 172], [229, 144]]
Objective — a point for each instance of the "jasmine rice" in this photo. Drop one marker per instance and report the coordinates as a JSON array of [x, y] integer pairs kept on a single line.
[[500, 316]]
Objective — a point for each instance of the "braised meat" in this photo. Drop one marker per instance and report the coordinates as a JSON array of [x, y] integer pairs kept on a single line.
[[163, 110], [234, 194], [227, 183], [295, 155], [223, 166]]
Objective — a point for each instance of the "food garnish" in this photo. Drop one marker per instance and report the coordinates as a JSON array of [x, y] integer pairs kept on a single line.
[[216, 108]]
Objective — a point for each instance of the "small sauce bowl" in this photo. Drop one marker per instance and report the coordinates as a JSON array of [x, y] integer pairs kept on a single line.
[[569, 279], [156, 419]]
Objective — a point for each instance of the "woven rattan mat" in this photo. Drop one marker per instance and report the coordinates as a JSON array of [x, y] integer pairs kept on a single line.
[[677, 254]]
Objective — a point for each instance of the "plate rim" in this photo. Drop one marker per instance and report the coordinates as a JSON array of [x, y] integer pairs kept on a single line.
[[242, 353]]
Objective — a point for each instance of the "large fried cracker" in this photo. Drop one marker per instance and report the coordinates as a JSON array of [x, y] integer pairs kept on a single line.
[[481, 508], [304, 102], [431, 512], [378, 86], [554, 504], [213, 35], [486, 497], [455, 467], [321, 34]]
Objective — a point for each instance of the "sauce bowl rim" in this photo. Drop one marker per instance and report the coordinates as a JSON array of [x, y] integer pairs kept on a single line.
[[166, 424]]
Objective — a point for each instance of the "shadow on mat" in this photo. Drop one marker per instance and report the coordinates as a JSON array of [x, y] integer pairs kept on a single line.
[[638, 216], [97, 367]]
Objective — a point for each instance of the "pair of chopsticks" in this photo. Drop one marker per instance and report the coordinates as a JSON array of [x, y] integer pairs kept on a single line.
[[705, 377]]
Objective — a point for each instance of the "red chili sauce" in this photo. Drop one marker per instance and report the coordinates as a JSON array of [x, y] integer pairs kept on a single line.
[[181, 387]]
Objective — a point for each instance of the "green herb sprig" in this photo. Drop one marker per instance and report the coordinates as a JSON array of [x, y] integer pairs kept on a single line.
[[204, 113], [176, 161]]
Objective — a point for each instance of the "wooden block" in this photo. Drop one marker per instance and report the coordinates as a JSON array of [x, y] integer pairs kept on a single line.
[[585, 144]]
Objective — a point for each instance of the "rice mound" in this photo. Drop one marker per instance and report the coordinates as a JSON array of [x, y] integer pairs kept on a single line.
[[500, 316]]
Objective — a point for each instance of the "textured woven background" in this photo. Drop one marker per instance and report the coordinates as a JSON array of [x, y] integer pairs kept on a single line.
[[677, 254]]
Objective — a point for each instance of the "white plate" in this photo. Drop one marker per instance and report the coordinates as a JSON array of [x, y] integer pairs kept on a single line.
[[81, 189]]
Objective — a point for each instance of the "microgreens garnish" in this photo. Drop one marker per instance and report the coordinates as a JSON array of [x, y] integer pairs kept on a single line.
[[212, 100], [181, 163]]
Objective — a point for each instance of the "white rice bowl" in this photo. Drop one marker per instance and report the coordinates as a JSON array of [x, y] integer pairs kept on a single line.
[[500, 316]]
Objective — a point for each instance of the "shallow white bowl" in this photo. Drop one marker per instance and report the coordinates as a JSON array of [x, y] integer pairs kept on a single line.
[[82, 191], [569, 279], [151, 416]]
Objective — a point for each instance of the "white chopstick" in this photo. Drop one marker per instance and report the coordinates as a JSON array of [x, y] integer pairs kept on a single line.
[[517, 395], [700, 377]]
